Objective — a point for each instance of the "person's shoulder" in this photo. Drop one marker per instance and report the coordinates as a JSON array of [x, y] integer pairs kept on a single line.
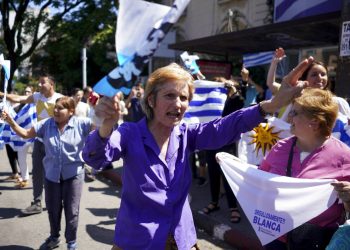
[[126, 125], [79, 119], [284, 144], [83, 104], [45, 122], [334, 142], [339, 99], [56, 95]]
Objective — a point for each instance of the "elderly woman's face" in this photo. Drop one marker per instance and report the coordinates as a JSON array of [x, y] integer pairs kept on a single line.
[[317, 77], [171, 103], [301, 124]]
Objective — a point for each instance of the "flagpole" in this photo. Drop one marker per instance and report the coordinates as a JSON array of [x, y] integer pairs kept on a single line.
[[84, 59]]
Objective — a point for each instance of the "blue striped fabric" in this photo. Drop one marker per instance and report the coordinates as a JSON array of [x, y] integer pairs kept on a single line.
[[256, 59], [341, 129], [293, 9], [208, 102], [26, 118]]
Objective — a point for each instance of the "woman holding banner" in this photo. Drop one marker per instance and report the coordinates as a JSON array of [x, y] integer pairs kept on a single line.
[[313, 153], [154, 211]]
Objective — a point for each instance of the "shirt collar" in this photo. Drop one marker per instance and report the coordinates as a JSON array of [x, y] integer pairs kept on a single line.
[[149, 140], [70, 122]]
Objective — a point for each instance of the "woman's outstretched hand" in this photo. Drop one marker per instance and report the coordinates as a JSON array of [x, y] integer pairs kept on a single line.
[[290, 88]]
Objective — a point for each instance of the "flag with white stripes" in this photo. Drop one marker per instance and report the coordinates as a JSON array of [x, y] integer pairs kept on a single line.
[[26, 118], [256, 59], [293, 9], [341, 129], [207, 103]]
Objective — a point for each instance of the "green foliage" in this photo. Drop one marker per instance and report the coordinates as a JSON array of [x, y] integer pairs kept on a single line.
[[42, 22], [70, 25], [94, 28]]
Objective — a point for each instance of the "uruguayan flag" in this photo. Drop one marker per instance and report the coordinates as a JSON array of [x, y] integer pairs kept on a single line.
[[26, 118], [254, 145], [141, 28], [256, 59], [293, 9], [208, 102], [341, 129]]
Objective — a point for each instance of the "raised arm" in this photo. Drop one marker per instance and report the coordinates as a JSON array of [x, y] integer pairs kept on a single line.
[[18, 98], [271, 75], [24, 133], [290, 88]]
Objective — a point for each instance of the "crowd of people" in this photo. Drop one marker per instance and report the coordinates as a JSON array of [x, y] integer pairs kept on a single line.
[[155, 209]]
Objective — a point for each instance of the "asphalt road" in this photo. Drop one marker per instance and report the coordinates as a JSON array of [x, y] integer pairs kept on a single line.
[[99, 206]]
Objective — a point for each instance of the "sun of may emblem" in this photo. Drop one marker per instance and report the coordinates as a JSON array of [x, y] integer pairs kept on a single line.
[[264, 138]]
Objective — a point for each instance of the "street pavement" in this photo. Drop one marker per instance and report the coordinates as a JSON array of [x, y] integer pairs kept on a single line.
[[99, 206]]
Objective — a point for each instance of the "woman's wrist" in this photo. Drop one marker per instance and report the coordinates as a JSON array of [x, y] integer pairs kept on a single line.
[[266, 108]]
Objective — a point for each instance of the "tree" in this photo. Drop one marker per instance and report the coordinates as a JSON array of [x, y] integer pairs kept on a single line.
[[93, 28], [27, 23]]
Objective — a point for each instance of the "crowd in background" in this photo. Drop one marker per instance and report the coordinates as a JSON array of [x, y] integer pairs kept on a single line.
[[240, 94]]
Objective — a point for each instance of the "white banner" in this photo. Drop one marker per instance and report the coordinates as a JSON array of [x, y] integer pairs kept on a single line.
[[274, 204]]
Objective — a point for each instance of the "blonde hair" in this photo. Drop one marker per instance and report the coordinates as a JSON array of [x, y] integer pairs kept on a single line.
[[318, 104], [174, 73]]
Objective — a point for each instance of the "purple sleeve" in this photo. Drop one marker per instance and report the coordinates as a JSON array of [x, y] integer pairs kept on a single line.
[[96, 151], [226, 130]]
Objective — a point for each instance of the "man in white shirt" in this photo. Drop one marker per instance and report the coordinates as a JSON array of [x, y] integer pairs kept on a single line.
[[44, 101]]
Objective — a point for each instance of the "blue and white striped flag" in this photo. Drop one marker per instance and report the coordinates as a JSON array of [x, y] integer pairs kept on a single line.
[[26, 118], [208, 102], [293, 9], [256, 59], [341, 129]]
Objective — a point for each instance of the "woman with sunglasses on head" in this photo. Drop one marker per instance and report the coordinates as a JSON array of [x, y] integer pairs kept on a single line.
[[314, 153], [63, 137]]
